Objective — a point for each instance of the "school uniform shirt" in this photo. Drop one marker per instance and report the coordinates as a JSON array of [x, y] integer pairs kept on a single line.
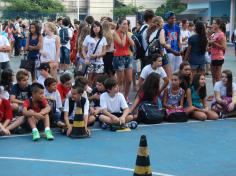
[[54, 96], [220, 87], [21, 93], [184, 34], [41, 79], [5, 110], [147, 70], [63, 91], [4, 41], [35, 108], [113, 104], [91, 43], [66, 108]]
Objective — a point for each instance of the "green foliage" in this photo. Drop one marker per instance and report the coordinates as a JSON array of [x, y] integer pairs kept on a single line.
[[171, 5], [122, 10], [32, 8]]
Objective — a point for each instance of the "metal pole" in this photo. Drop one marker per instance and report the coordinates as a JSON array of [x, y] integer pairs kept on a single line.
[[78, 9], [232, 16]]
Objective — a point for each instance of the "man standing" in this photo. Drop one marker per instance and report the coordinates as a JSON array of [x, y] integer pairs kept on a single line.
[[17, 35], [172, 34]]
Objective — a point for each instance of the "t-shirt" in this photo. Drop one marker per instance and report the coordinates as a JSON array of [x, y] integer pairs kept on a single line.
[[144, 38], [4, 42], [38, 107], [184, 34], [66, 108], [172, 34], [21, 94], [41, 79], [216, 53], [113, 104], [70, 34], [147, 70], [220, 87], [91, 43], [63, 91], [196, 57], [54, 96], [5, 110]]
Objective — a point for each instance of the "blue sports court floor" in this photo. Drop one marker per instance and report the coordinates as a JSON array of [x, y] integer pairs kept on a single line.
[[184, 149]]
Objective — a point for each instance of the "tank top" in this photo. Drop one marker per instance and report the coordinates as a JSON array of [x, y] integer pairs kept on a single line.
[[33, 42], [216, 53], [174, 100], [121, 51], [196, 99], [49, 47]]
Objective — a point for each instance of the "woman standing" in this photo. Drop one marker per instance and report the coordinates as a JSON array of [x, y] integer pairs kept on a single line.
[[33, 46], [217, 44], [156, 25], [196, 50], [122, 62], [94, 48], [50, 53]]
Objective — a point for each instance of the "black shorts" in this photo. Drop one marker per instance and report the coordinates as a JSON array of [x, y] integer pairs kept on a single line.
[[217, 62], [108, 67]]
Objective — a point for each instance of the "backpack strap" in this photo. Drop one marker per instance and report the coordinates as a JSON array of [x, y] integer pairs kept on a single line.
[[71, 105], [156, 37], [143, 29], [97, 46]]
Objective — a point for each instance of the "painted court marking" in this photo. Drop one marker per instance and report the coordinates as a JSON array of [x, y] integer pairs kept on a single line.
[[77, 163], [140, 126]]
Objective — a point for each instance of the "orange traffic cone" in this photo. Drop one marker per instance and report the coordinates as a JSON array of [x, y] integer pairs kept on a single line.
[[143, 167], [78, 130]]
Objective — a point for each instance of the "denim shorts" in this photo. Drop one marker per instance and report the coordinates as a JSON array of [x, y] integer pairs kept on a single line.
[[122, 62], [65, 55]]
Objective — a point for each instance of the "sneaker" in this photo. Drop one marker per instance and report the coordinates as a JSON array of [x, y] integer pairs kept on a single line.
[[36, 135], [49, 135], [132, 124], [104, 126]]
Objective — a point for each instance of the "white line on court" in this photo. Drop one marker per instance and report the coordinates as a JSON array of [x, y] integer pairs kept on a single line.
[[98, 129], [78, 163]]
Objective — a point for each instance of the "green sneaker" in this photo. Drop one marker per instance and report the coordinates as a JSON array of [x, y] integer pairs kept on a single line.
[[36, 135], [49, 135]]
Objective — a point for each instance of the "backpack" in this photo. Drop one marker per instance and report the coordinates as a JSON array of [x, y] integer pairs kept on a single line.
[[155, 46], [138, 44], [150, 114], [64, 36]]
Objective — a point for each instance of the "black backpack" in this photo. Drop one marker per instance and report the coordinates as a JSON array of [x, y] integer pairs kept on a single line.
[[64, 35], [155, 46], [138, 44]]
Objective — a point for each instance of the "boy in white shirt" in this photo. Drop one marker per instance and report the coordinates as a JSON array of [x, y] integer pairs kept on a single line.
[[155, 66], [115, 110], [44, 73], [52, 94]]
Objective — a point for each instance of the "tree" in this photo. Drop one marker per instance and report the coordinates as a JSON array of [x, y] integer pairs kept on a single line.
[[32, 8], [171, 5], [122, 10]]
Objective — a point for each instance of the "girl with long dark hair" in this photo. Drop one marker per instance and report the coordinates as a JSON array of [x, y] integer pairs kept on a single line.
[[94, 55], [33, 46], [197, 106], [197, 45], [225, 93]]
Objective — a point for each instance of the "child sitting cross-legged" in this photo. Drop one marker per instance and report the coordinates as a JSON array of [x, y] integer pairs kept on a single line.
[[76, 100], [52, 94], [36, 109], [115, 110]]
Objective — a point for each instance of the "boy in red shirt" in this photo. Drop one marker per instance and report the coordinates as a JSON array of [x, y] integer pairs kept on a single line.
[[5, 115], [36, 109], [64, 86]]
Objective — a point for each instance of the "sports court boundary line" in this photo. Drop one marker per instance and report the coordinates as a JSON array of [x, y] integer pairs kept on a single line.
[[140, 126], [77, 163]]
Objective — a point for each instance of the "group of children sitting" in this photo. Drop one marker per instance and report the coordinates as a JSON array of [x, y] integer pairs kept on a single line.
[[47, 102]]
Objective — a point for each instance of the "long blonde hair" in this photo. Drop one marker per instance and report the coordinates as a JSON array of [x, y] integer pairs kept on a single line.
[[84, 32], [107, 32], [156, 23]]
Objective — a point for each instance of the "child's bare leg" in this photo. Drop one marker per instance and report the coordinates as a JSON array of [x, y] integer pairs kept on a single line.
[[46, 121], [91, 119], [19, 121], [129, 118], [32, 122], [108, 120]]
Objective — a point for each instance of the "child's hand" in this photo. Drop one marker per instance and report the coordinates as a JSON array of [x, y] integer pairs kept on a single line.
[[231, 107], [69, 130], [39, 116], [96, 96], [122, 120], [6, 131]]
